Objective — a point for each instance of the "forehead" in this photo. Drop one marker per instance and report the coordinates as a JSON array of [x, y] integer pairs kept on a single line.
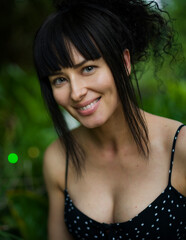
[[75, 55]]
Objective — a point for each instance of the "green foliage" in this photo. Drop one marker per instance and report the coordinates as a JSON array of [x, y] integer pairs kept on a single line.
[[30, 213], [8, 236], [170, 102], [24, 124], [26, 130]]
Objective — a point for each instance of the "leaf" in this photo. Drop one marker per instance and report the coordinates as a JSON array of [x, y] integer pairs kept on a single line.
[[8, 236], [30, 213]]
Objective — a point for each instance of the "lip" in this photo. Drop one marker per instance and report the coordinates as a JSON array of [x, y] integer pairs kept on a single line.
[[80, 105], [90, 110]]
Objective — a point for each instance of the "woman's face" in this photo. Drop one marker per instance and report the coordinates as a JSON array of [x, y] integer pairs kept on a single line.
[[87, 90]]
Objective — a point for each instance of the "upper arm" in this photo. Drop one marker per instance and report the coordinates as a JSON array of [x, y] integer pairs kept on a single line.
[[54, 172], [180, 160]]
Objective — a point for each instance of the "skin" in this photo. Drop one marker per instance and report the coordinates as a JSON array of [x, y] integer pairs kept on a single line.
[[87, 81], [116, 177]]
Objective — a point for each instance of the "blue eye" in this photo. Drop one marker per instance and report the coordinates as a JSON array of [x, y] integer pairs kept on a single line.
[[59, 81], [88, 69]]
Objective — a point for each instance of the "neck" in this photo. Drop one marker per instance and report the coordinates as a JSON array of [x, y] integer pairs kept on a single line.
[[113, 135]]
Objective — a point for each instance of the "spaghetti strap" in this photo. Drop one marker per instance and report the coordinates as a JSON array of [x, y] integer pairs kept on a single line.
[[66, 171], [173, 151]]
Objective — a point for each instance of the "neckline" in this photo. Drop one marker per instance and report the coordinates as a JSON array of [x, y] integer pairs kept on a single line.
[[156, 200], [169, 187]]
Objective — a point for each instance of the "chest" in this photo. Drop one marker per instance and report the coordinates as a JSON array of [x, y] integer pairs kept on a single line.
[[118, 194], [164, 218]]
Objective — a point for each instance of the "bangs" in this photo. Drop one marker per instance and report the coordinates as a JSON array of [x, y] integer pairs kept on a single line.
[[54, 41]]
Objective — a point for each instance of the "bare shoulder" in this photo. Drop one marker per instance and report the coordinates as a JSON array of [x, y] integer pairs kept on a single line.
[[169, 127], [54, 164], [163, 127], [181, 144], [165, 130], [179, 175], [180, 150]]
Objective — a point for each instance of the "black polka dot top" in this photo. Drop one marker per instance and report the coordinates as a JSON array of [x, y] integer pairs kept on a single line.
[[164, 218]]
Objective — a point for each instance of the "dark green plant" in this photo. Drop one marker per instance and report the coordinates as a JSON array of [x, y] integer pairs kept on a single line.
[[30, 213], [26, 130], [8, 236]]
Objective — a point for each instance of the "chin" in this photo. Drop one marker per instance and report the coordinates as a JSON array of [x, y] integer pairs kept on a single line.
[[93, 124]]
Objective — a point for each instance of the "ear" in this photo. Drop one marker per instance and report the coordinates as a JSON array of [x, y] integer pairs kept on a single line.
[[126, 54]]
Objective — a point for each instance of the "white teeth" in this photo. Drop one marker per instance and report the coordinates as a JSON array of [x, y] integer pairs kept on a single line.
[[89, 105]]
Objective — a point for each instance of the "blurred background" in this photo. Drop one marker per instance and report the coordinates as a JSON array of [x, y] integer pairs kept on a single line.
[[25, 127]]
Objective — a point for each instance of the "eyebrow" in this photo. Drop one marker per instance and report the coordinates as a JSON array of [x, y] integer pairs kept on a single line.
[[79, 64]]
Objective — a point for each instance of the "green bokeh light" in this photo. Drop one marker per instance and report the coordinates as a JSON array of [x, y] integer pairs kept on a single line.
[[12, 158]]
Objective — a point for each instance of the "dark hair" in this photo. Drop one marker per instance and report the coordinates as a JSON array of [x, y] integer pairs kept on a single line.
[[101, 29]]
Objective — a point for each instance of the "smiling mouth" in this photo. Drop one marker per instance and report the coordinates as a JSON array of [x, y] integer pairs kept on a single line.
[[90, 105]]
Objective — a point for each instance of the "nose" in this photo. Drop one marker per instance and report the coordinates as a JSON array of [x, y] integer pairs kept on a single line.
[[78, 90]]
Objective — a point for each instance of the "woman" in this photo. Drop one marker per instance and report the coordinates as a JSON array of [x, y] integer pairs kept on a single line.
[[112, 177]]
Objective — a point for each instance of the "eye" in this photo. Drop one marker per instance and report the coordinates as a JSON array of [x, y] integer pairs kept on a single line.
[[58, 81], [88, 69]]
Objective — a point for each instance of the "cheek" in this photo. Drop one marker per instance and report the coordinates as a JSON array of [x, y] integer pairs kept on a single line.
[[61, 97], [106, 83]]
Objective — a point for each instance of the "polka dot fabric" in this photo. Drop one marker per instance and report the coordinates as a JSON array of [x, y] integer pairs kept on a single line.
[[164, 218]]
